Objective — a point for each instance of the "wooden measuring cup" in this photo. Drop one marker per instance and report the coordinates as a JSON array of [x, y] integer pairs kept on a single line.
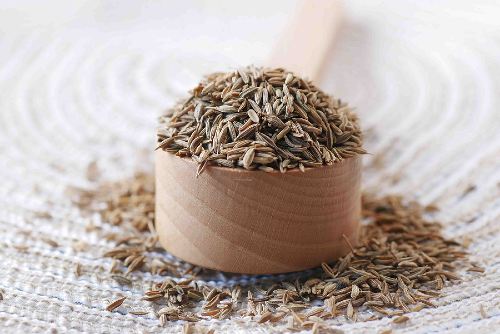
[[255, 222]]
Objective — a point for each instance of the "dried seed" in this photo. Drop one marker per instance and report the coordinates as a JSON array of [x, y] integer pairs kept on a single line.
[[400, 319], [49, 241], [354, 292], [78, 270], [121, 279], [244, 75], [476, 269], [350, 310], [401, 254], [265, 317], [278, 317], [248, 157], [204, 123], [117, 303], [135, 263], [253, 115]]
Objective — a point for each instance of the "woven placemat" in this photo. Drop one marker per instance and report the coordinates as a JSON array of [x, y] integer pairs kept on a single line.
[[425, 80]]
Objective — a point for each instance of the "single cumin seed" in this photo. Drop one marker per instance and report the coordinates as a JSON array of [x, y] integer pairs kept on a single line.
[[117, 303]]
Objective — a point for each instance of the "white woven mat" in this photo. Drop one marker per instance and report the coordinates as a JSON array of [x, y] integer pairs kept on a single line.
[[85, 81]]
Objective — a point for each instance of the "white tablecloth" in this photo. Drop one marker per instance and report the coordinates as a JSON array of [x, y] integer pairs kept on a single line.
[[84, 81]]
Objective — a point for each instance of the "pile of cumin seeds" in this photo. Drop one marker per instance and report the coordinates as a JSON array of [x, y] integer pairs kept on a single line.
[[400, 266], [257, 118], [130, 204]]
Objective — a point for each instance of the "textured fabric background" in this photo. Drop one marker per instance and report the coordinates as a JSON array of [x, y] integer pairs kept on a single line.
[[84, 81]]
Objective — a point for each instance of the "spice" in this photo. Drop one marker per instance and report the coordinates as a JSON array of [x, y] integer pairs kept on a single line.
[[256, 118], [78, 270], [117, 303], [138, 312], [400, 265], [401, 319], [50, 242]]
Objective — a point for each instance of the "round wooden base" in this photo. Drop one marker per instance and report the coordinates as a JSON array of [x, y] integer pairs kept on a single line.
[[255, 222]]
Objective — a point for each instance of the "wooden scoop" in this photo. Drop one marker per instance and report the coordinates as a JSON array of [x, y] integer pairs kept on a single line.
[[255, 222], [310, 35]]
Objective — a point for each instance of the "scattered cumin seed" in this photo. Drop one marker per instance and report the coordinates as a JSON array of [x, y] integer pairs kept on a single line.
[[400, 319], [121, 279], [50, 242], [136, 263], [138, 312], [78, 270], [350, 311], [401, 257], [117, 303], [278, 317], [476, 269], [419, 307]]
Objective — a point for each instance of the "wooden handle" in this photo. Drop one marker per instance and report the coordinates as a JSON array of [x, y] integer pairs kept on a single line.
[[306, 42], [255, 222]]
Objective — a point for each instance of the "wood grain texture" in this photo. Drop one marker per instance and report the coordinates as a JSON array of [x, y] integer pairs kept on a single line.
[[255, 222]]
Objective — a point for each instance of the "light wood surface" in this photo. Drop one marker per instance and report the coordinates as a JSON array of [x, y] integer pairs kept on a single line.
[[253, 222], [309, 36]]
